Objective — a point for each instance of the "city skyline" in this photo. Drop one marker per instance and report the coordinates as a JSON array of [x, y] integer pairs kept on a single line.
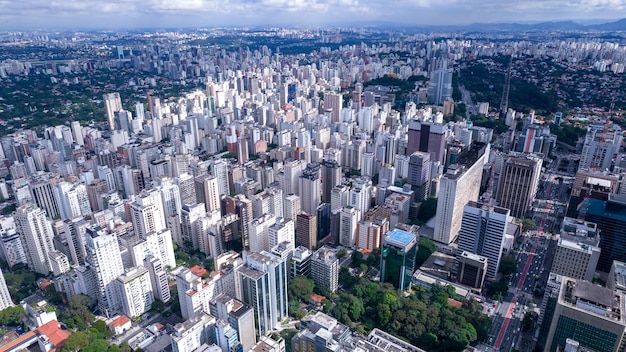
[[129, 14]]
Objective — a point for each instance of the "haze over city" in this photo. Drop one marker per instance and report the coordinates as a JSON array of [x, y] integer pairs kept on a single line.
[[92, 14]]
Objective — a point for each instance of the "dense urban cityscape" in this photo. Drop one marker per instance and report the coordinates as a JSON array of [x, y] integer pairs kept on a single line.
[[285, 189]]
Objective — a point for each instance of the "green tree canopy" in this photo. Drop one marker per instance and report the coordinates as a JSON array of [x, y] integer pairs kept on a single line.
[[300, 288], [508, 265]]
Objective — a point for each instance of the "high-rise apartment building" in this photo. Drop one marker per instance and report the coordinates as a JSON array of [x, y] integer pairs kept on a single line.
[[147, 213], [325, 269], [334, 102], [135, 291], [339, 197], [219, 169], [398, 258], [44, 195], [36, 234], [482, 232], [518, 183], [112, 104], [310, 188], [348, 224], [207, 192], [105, 259], [5, 296], [361, 195], [458, 186], [291, 207]]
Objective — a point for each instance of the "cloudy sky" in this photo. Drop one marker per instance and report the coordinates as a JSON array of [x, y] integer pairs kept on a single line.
[[114, 14]]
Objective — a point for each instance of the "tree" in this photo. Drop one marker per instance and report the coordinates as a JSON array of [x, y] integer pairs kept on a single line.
[[424, 250], [356, 259], [76, 341], [428, 209], [300, 288], [508, 265], [528, 225], [11, 316], [100, 326], [341, 253]]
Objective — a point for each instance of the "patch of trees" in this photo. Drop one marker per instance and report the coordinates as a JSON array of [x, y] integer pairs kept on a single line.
[[11, 316], [508, 265], [568, 134], [424, 318], [21, 282], [425, 249], [497, 125]]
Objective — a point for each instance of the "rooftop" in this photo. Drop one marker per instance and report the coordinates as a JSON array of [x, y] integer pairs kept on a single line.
[[402, 237]]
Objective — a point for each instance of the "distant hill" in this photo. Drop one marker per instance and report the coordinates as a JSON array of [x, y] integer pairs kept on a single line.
[[619, 25]]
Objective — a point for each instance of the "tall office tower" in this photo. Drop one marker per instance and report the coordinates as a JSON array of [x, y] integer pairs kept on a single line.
[[439, 86], [334, 102], [398, 258], [331, 177], [105, 259], [390, 142], [112, 104], [190, 214], [518, 183], [258, 237], [577, 260], [170, 195], [368, 165], [291, 207], [325, 269], [348, 220], [590, 314], [427, 137], [281, 231], [610, 216], [186, 185], [306, 230], [158, 278], [339, 197], [36, 233], [147, 213], [263, 286], [207, 192], [242, 150], [361, 195], [219, 169], [595, 184], [73, 200], [5, 296], [269, 201], [135, 291], [602, 143], [74, 232], [370, 233], [458, 186], [419, 174], [43, 195], [310, 188], [482, 232], [240, 317], [293, 170]]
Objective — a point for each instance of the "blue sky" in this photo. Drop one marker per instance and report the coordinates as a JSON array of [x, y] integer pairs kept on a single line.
[[112, 14]]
